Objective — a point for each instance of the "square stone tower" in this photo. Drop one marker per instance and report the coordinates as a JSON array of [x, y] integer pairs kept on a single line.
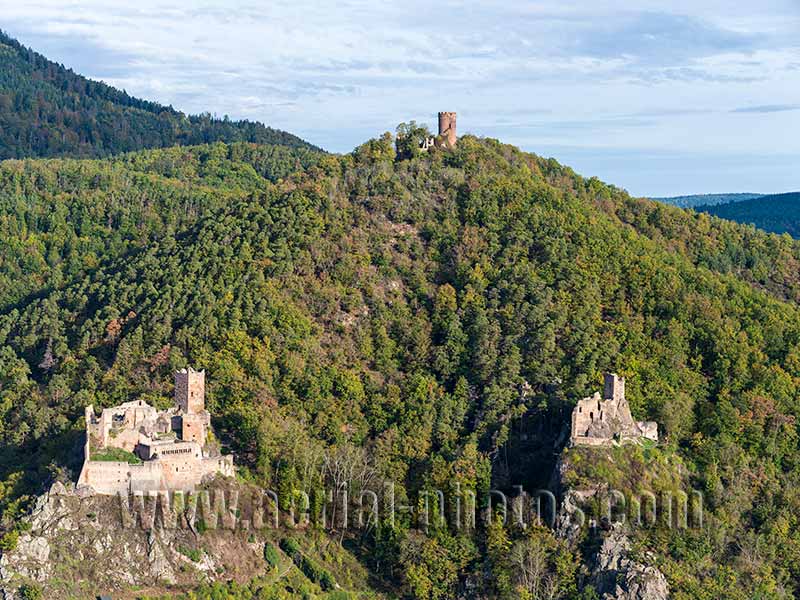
[[613, 387], [447, 127], [193, 429], [190, 390]]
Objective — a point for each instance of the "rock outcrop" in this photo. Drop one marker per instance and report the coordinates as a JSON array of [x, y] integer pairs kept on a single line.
[[618, 577], [613, 573], [79, 540]]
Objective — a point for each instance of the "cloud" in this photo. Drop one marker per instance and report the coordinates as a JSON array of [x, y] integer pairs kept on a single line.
[[767, 108], [664, 38], [589, 73]]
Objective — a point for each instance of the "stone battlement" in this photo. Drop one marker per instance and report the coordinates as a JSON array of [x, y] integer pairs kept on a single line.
[[171, 444], [605, 420]]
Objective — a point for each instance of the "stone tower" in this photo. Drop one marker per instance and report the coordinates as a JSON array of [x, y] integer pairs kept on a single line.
[[447, 127], [606, 420], [613, 387], [190, 390]]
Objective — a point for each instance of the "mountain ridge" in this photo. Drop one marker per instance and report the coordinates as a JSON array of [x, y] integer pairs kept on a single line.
[[47, 110], [776, 213], [693, 200]]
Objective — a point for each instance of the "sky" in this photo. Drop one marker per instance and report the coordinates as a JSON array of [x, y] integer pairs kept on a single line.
[[690, 96]]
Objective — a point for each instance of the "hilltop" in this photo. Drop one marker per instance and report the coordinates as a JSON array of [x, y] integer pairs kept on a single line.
[[421, 322], [47, 110]]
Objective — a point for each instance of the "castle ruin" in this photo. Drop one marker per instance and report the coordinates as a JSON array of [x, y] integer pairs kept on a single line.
[[447, 136], [447, 128], [607, 420], [168, 450]]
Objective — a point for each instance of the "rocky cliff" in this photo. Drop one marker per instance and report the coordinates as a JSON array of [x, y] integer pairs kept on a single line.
[[616, 576], [611, 568], [76, 544]]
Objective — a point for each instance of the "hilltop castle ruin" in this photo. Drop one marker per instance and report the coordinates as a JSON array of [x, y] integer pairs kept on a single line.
[[447, 136], [134, 447], [606, 420]]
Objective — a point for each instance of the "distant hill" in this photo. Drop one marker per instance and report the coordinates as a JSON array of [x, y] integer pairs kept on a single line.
[[47, 110], [778, 213], [705, 199]]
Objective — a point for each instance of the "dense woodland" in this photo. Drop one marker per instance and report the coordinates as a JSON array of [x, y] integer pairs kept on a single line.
[[778, 213], [47, 110], [430, 318], [706, 199], [420, 319]]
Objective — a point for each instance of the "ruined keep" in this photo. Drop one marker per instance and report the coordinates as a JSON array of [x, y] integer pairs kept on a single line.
[[172, 445], [190, 391], [446, 138], [606, 420], [447, 128]]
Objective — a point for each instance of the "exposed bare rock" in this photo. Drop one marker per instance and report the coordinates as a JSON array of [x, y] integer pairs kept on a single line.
[[84, 491], [160, 568], [83, 540], [58, 489], [617, 577], [31, 559], [614, 574], [570, 519], [6, 594]]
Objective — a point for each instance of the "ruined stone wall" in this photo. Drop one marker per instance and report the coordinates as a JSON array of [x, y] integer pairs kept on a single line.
[[88, 413], [107, 477], [603, 420], [125, 439], [110, 430], [188, 474], [649, 430], [182, 472], [595, 417], [173, 472], [613, 387], [174, 448], [590, 441]]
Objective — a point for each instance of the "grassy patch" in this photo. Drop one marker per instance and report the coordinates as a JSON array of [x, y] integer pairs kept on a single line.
[[116, 455], [192, 554], [271, 555], [630, 468]]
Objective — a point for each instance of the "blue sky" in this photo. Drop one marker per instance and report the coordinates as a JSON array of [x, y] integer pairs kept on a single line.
[[658, 98]]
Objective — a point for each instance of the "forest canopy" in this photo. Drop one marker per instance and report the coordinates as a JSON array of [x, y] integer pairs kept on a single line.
[[47, 110], [434, 318]]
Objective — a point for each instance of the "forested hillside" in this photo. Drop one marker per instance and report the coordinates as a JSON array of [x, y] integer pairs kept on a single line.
[[433, 318], [706, 199], [47, 110], [61, 219], [778, 213]]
